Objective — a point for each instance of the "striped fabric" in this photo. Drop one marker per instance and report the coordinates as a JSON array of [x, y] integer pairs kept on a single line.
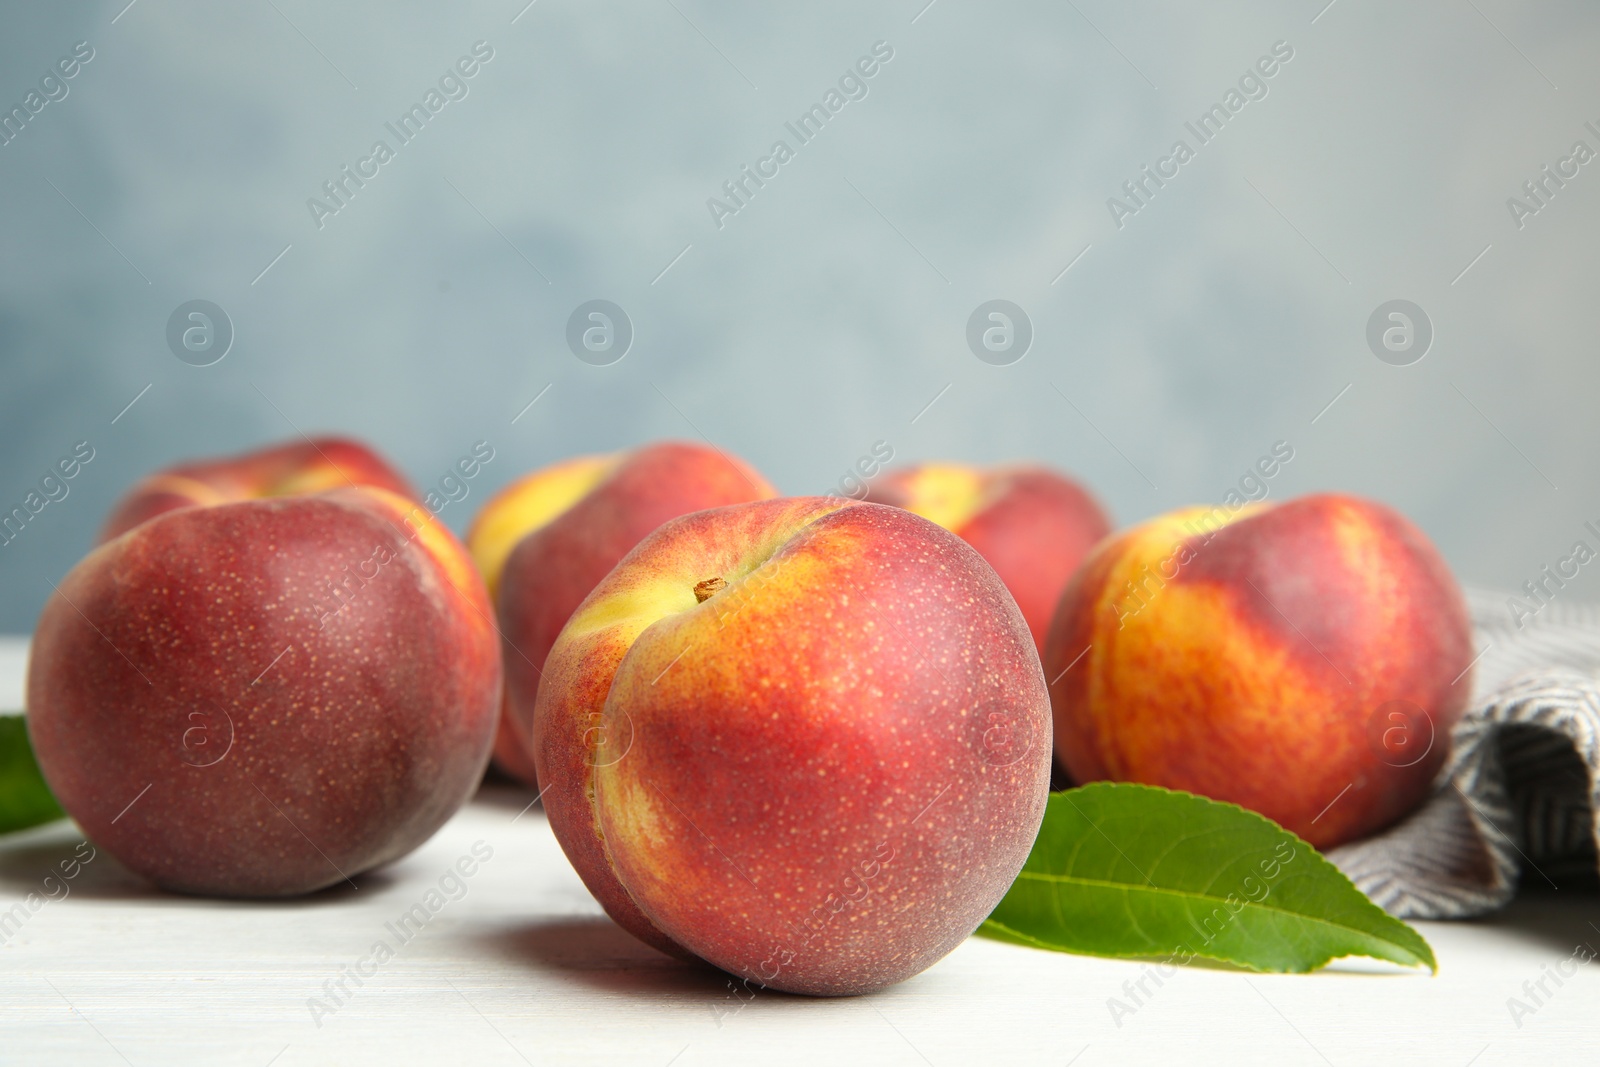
[[1516, 801]]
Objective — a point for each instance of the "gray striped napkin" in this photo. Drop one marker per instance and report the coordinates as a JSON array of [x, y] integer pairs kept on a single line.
[[1517, 798]]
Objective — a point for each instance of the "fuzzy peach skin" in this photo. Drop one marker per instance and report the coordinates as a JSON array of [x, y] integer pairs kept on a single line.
[[1033, 525], [546, 539], [308, 465], [267, 697], [1254, 659], [822, 777]]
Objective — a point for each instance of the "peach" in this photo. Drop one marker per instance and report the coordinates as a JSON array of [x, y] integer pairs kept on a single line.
[[546, 539], [805, 740], [1305, 660], [305, 466], [1034, 526], [266, 697]]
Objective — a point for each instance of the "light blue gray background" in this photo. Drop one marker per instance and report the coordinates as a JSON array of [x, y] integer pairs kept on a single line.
[[826, 315]]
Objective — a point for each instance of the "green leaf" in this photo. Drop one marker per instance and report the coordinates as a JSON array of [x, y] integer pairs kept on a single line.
[[24, 798], [1137, 871]]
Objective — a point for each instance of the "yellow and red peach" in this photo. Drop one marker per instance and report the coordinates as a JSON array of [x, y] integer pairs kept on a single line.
[[546, 539], [805, 740], [267, 697], [1305, 660], [307, 466], [1033, 525]]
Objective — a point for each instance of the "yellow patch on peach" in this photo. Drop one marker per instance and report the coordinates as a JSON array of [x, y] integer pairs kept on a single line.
[[1191, 521], [177, 484], [1155, 553], [670, 591], [631, 808], [632, 611], [1191, 656], [529, 503], [1360, 550], [317, 478], [946, 494]]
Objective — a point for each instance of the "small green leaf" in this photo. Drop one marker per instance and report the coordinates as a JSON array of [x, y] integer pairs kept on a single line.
[[24, 798], [1137, 871]]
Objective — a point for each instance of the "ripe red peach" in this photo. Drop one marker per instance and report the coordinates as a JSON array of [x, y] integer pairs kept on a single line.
[[1306, 660], [805, 740], [266, 697]]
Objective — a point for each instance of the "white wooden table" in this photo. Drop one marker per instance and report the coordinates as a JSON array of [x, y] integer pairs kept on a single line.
[[524, 968]]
